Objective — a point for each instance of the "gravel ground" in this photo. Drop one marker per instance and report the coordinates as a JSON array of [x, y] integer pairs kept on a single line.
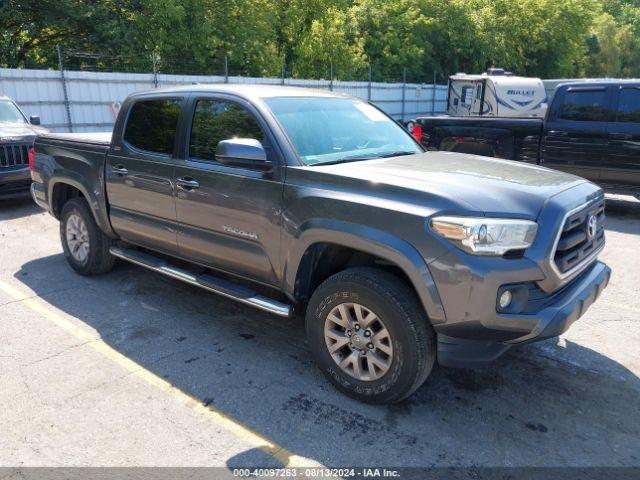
[[134, 369]]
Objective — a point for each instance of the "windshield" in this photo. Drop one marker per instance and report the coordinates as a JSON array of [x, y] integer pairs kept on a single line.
[[333, 130], [10, 113]]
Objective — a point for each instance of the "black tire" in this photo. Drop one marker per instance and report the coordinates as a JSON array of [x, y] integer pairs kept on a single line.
[[98, 260], [395, 302]]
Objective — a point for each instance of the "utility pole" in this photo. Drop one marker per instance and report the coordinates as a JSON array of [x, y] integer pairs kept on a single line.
[[154, 60], [331, 76], [67, 106], [404, 90], [433, 96], [226, 70], [369, 85]]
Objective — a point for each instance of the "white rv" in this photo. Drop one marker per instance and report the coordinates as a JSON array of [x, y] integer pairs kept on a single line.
[[496, 93]]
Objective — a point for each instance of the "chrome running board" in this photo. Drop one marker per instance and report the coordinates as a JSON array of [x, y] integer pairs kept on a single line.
[[228, 289]]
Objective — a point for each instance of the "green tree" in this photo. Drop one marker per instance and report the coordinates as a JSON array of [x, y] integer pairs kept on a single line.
[[245, 32], [614, 50], [546, 38], [542, 38], [292, 21], [329, 42], [393, 34], [30, 29]]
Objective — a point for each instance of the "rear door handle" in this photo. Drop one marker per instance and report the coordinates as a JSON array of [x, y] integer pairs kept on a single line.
[[119, 170], [187, 183], [620, 136]]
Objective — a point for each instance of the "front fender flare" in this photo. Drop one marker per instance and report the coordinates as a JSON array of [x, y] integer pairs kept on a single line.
[[372, 241]]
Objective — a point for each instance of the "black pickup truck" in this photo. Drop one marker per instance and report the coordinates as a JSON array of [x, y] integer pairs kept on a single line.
[[296, 201], [592, 129], [16, 141]]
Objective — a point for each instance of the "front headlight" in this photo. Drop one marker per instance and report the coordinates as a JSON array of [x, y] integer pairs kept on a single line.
[[486, 236]]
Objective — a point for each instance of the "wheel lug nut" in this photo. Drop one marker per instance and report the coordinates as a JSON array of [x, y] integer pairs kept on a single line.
[[367, 333], [363, 352], [357, 327], [348, 333], [370, 346]]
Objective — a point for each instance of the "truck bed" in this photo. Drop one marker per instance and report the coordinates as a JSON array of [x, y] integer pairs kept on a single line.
[[509, 138], [79, 158], [93, 138]]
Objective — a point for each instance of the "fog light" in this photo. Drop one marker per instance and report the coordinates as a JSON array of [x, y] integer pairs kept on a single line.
[[505, 299]]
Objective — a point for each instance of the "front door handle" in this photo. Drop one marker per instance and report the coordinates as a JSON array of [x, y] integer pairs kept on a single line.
[[119, 170], [187, 183], [620, 136], [558, 133]]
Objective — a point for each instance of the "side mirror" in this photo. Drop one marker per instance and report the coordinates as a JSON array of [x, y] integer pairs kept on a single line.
[[34, 120], [242, 152]]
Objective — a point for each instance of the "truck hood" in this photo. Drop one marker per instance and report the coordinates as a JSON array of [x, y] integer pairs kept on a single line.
[[461, 182], [19, 132]]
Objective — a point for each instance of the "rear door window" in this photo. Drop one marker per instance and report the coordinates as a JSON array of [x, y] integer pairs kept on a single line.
[[585, 106], [152, 125], [629, 106]]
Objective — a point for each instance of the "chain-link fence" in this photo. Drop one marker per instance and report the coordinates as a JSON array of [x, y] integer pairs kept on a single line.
[[84, 92]]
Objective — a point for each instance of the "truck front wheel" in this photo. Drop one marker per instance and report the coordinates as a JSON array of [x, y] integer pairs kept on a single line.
[[370, 335], [85, 246]]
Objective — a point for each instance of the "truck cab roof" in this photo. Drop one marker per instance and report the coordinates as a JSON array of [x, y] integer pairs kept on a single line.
[[250, 92], [600, 82]]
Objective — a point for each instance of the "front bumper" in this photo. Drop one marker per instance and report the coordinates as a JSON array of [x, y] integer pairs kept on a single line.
[[552, 320], [14, 182]]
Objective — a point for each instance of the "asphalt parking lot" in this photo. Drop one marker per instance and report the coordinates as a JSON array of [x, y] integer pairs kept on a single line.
[[134, 369]]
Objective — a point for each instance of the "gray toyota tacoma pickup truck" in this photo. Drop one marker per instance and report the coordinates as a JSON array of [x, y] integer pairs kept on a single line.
[[296, 201]]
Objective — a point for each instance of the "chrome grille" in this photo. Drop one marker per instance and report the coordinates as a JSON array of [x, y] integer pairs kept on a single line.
[[577, 243], [14, 154]]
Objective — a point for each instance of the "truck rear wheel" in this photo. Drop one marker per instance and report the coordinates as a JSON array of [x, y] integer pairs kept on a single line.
[[85, 246], [370, 335]]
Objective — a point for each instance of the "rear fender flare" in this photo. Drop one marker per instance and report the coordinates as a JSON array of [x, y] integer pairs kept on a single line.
[[96, 200]]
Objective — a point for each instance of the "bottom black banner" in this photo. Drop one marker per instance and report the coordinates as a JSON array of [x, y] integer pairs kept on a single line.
[[403, 473]]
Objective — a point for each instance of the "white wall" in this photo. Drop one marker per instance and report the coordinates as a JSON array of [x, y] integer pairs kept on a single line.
[[93, 94]]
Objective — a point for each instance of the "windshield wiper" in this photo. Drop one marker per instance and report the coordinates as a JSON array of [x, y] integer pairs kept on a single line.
[[351, 158], [399, 153], [355, 158]]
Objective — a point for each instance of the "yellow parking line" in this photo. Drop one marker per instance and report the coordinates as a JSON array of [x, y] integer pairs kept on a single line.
[[228, 423]]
